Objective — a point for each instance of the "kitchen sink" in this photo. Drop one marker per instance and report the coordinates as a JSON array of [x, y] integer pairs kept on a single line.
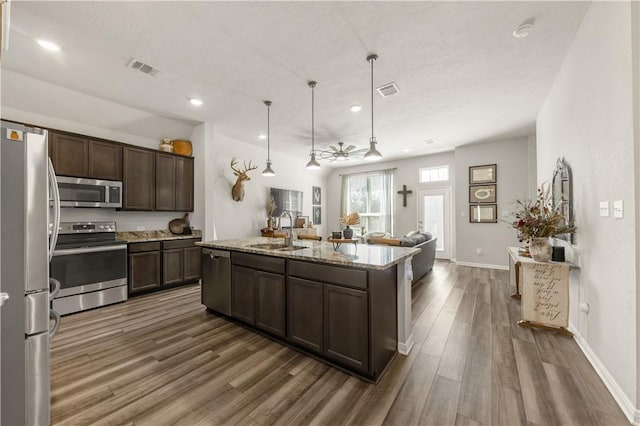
[[276, 246]]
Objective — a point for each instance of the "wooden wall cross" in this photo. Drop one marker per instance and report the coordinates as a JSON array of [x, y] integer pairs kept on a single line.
[[404, 194]]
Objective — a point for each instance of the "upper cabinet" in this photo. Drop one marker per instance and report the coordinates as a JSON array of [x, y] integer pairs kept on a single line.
[[139, 179], [69, 154], [174, 182], [79, 156], [151, 180]]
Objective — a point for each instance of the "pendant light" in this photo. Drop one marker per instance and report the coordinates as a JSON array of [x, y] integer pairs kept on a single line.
[[373, 154], [313, 163], [268, 171]]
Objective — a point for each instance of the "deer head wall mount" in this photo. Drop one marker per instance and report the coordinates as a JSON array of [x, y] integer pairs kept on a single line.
[[237, 191]]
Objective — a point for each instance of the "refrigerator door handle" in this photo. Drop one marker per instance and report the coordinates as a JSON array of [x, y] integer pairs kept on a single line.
[[56, 322], [3, 298], [56, 209], [53, 291]]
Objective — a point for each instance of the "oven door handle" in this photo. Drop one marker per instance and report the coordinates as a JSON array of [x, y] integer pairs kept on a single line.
[[83, 250]]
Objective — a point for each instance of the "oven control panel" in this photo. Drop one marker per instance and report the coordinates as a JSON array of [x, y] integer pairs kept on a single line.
[[86, 227]]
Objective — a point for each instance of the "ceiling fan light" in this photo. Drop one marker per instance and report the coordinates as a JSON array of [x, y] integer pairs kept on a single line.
[[268, 171], [313, 163], [373, 154]]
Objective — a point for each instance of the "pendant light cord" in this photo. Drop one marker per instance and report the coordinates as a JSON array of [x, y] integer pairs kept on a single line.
[[268, 133], [372, 59], [313, 150]]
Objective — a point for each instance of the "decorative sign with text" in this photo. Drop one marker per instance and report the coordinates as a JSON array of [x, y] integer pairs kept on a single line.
[[545, 294]]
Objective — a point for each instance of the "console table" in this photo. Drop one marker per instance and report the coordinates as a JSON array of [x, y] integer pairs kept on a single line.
[[545, 291]]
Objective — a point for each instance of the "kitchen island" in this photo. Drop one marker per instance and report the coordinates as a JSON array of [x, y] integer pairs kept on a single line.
[[350, 307]]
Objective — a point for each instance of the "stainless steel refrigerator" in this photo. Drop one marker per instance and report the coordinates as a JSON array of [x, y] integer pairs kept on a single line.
[[26, 322]]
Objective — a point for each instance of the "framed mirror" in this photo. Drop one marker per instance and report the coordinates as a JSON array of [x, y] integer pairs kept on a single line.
[[562, 194]]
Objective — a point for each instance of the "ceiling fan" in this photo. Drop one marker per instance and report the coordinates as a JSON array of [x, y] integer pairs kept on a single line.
[[342, 153]]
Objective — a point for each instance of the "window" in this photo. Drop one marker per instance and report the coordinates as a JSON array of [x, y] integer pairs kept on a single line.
[[434, 174], [371, 196]]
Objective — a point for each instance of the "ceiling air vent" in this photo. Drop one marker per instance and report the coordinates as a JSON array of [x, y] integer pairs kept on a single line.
[[142, 67], [388, 89]]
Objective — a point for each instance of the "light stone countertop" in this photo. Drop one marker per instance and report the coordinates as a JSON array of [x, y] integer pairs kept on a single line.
[[146, 236], [378, 257]]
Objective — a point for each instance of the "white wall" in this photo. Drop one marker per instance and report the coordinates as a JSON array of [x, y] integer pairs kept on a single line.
[[588, 118], [228, 219], [405, 218], [492, 239]]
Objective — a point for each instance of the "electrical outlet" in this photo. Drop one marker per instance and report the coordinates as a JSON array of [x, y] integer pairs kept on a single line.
[[140, 228], [478, 251]]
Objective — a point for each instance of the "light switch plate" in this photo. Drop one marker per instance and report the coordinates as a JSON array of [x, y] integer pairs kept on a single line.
[[604, 209], [618, 209]]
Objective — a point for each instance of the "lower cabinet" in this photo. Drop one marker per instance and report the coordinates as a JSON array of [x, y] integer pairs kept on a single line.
[[159, 264], [258, 297], [331, 320]]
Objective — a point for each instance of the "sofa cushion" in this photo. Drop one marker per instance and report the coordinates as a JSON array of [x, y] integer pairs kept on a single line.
[[412, 233], [413, 241]]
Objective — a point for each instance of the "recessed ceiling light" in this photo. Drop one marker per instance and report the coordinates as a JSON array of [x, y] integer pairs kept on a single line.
[[355, 108], [261, 136], [49, 45], [407, 150], [429, 141], [523, 31], [195, 102]]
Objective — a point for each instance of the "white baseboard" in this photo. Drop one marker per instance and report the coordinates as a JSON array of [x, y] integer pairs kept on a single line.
[[627, 406], [405, 347], [483, 265]]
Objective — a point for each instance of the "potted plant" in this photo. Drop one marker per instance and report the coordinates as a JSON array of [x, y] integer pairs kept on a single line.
[[538, 220], [349, 220]]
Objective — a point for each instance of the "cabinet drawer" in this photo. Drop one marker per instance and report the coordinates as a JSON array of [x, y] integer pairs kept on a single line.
[[140, 247], [328, 274], [174, 244], [256, 261]]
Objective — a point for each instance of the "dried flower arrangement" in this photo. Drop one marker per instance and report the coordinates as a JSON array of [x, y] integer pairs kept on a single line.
[[350, 219], [270, 206], [539, 218]]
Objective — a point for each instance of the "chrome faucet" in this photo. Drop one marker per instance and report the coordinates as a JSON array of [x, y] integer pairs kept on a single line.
[[288, 240]]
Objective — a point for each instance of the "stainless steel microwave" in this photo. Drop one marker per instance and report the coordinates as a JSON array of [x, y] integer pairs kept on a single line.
[[80, 192]]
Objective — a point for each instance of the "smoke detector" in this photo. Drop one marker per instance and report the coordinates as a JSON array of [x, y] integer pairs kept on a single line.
[[143, 68], [388, 89]]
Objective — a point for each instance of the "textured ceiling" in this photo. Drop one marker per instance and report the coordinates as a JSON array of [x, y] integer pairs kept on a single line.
[[462, 75]]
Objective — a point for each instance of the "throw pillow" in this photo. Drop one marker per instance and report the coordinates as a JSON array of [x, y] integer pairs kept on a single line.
[[412, 233]]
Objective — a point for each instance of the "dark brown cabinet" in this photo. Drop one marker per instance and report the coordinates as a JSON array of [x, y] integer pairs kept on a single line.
[[258, 292], [79, 156], [144, 267], [305, 312], [174, 183], [69, 154], [105, 160], [346, 326], [158, 264], [139, 179]]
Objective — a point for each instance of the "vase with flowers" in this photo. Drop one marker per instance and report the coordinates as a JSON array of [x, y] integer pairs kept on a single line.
[[536, 221], [270, 206], [349, 220]]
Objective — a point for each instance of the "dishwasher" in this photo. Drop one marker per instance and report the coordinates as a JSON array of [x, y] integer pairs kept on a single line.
[[216, 280]]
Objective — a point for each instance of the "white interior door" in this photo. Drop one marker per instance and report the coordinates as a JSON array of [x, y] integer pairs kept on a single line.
[[434, 216]]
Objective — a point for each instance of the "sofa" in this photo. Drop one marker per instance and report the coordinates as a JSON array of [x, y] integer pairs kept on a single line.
[[422, 262]]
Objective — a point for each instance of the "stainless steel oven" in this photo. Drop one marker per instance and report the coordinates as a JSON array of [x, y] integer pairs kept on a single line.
[[91, 266], [80, 192]]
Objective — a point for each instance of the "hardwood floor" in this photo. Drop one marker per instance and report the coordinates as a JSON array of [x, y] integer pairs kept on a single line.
[[161, 359]]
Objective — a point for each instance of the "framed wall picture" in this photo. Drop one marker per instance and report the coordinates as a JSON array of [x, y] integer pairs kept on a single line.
[[317, 215], [479, 194], [483, 213], [316, 193], [482, 174]]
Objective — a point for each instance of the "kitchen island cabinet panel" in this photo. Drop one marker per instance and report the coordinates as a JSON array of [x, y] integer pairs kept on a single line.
[[346, 326], [305, 311], [243, 294], [270, 306]]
